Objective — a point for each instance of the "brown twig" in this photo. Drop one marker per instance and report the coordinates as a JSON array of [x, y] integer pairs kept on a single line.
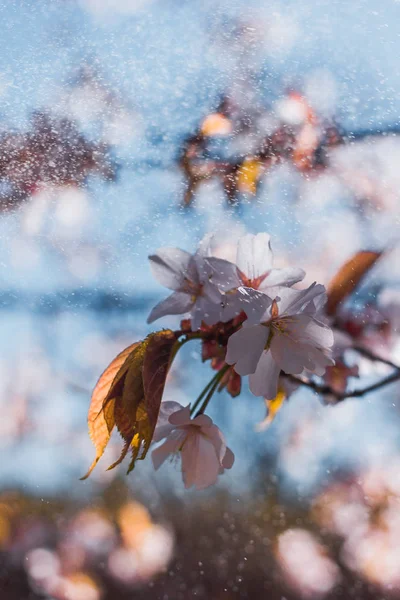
[[374, 357], [324, 389]]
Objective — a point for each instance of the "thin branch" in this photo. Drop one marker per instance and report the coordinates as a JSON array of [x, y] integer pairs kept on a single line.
[[328, 390], [374, 357], [316, 387], [371, 388]]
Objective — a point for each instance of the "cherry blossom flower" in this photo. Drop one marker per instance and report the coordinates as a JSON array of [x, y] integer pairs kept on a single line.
[[255, 277], [196, 281], [204, 452], [289, 337], [254, 262]]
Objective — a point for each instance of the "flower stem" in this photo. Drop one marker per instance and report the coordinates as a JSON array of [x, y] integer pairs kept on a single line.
[[209, 390], [178, 344], [203, 393]]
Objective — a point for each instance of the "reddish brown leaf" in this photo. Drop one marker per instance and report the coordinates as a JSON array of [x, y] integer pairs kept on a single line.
[[128, 396], [348, 277], [124, 452], [132, 393], [118, 383], [101, 415], [142, 385], [133, 432], [155, 369]]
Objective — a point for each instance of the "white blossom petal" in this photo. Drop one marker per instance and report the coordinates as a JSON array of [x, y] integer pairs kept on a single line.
[[231, 306], [222, 273], [294, 356], [211, 293], [288, 354], [264, 382], [317, 305], [254, 255], [176, 304], [169, 266], [306, 329], [283, 277], [295, 301], [252, 302], [245, 348], [204, 247], [205, 310]]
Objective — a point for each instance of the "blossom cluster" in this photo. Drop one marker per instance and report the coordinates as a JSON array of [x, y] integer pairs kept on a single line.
[[265, 327]]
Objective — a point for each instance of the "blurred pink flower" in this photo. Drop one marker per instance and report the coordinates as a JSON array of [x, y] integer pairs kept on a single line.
[[306, 563]]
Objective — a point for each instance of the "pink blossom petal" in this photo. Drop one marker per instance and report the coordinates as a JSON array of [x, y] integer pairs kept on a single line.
[[254, 255], [245, 348], [288, 354], [217, 438], [199, 263], [164, 427], [181, 417], [202, 421], [169, 266], [264, 382], [200, 464], [176, 304], [224, 454], [171, 445], [316, 360]]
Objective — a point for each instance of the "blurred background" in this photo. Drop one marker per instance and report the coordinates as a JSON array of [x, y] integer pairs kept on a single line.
[[135, 124]]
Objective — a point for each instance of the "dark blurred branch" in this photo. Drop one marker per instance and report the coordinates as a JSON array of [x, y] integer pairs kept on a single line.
[[239, 174], [374, 357], [324, 389], [52, 152]]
